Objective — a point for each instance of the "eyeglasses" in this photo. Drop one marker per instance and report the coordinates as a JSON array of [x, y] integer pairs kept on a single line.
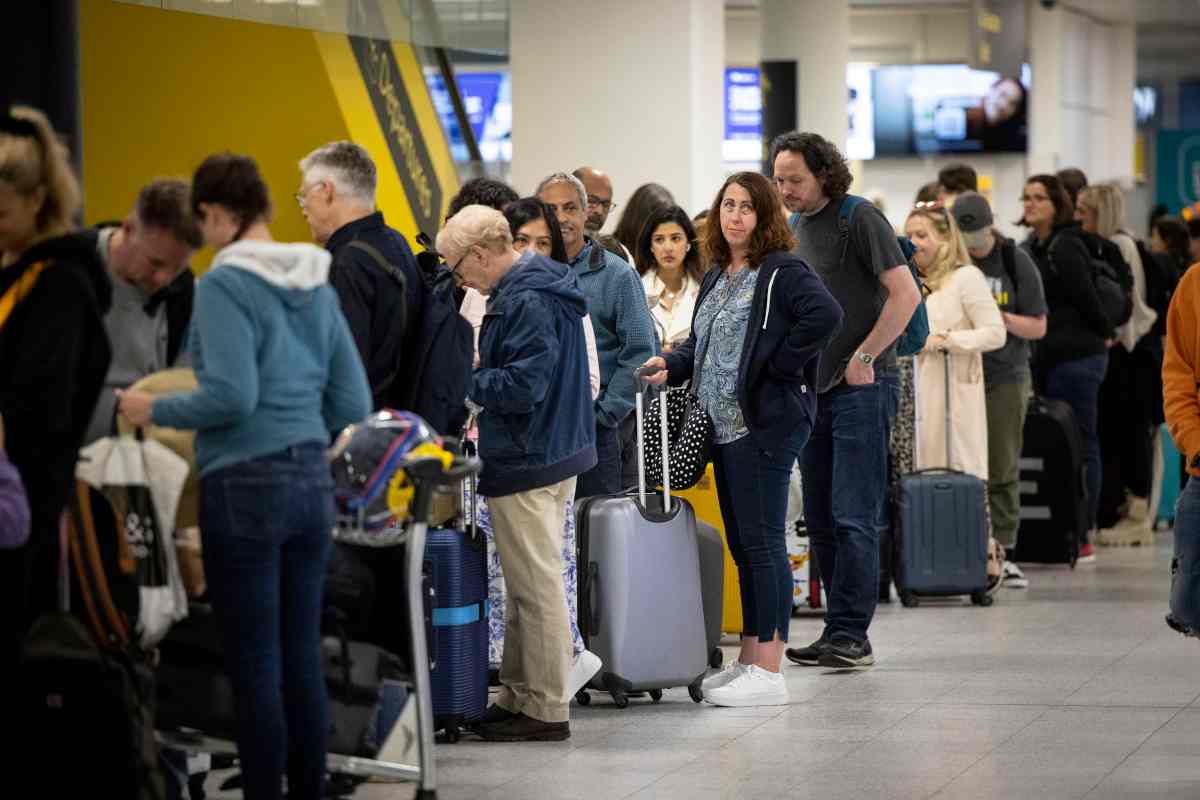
[[596, 202], [454, 270], [302, 195], [932, 205]]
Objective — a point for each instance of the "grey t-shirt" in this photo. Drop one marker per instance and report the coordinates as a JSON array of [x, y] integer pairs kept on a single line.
[[138, 339], [1010, 364], [872, 250]]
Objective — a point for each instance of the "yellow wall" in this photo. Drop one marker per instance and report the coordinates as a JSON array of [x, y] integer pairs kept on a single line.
[[163, 89]]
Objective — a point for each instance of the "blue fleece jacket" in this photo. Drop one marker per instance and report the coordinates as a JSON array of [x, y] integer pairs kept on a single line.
[[274, 358], [537, 427], [625, 336]]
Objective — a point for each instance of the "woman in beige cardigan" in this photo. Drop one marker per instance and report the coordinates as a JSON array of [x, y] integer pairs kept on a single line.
[[964, 321]]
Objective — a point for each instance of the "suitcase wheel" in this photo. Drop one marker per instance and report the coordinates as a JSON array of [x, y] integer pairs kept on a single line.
[[583, 698], [696, 694], [620, 699], [982, 599], [716, 658], [655, 695], [909, 600]]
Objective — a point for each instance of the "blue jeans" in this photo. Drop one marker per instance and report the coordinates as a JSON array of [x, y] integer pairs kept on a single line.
[[752, 488], [845, 471], [605, 477], [266, 525], [1077, 383], [1185, 567]]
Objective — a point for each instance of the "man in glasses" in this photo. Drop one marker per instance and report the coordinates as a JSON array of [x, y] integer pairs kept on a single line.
[[599, 198], [1017, 286], [625, 336], [373, 271]]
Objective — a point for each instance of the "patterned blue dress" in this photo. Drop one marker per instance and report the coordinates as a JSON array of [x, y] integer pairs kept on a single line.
[[730, 301]]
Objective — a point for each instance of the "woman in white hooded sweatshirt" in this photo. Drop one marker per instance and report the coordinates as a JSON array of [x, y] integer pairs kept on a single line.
[[278, 372], [1131, 394]]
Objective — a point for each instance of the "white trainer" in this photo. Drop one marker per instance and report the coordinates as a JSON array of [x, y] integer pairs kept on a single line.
[[586, 665], [1013, 577], [754, 687], [722, 676]]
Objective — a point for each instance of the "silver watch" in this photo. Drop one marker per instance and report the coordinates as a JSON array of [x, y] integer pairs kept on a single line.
[[865, 358]]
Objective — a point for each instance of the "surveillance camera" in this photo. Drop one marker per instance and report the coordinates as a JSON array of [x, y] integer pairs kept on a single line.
[[1049, 4]]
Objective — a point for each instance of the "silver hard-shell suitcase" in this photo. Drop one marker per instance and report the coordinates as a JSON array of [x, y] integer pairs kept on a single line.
[[640, 603]]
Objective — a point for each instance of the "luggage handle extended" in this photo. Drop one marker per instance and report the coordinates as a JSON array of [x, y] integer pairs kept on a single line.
[[639, 410]]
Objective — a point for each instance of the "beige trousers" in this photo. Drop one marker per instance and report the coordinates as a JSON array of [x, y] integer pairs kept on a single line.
[[528, 528]]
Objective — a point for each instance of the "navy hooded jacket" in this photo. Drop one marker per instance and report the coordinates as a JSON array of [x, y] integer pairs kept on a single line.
[[538, 426], [792, 319]]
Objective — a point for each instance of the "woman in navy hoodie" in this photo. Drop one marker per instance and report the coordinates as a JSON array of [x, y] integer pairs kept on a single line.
[[762, 319], [278, 371]]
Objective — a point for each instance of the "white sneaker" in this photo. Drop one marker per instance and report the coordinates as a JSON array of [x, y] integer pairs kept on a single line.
[[1012, 577], [586, 665], [722, 676], [754, 687]]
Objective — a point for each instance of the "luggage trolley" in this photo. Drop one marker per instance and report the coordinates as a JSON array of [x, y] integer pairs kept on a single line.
[[426, 472]]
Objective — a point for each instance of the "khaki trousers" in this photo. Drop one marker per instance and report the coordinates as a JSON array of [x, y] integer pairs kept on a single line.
[[528, 527], [1006, 407]]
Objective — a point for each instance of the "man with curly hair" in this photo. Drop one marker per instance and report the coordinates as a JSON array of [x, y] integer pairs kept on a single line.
[[845, 463]]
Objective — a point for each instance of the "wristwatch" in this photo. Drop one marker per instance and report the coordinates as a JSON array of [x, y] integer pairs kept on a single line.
[[865, 358]]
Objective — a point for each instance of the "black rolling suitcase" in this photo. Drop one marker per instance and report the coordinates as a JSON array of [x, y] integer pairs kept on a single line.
[[1054, 508], [943, 531]]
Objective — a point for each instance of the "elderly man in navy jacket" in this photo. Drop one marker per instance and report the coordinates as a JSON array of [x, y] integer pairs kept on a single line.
[[536, 435]]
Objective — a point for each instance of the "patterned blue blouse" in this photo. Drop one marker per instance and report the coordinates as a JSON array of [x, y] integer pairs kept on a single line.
[[717, 389]]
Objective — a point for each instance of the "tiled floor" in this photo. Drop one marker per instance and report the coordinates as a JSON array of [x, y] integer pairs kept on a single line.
[[1074, 688]]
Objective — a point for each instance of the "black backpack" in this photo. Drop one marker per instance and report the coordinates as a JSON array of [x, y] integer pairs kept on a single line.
[[443, 351], [1111, 275]]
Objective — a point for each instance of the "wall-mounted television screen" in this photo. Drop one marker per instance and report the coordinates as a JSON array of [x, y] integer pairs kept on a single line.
[[925, 109]]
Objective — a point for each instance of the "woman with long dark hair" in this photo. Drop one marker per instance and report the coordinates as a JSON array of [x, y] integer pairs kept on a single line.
[[644, 201], [278, 372], [762, 319], [668, 259], [1073, 356]]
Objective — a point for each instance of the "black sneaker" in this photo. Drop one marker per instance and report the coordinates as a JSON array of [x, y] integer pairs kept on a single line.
[[526, 729], [845, 653], [496, 714], [807, 656]]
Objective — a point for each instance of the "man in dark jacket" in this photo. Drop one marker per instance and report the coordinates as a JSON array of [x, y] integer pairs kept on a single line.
[[147, 257], [374, 271], [536, 435]]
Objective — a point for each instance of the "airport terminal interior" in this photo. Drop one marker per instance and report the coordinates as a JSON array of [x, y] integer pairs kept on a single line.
[[926, 268]]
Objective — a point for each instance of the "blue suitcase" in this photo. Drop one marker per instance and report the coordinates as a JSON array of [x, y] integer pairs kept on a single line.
[[457, 629], [943, 531]]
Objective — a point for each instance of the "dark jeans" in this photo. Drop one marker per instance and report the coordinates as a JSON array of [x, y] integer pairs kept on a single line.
[[605, 477], [1185, 566], [845, 470], [266, 525], [627, 431], [1077, 383], [752, 488]]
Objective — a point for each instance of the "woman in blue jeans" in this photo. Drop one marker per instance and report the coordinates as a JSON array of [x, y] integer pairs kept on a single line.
[[1073, 356], [762, 318], [278, 372]]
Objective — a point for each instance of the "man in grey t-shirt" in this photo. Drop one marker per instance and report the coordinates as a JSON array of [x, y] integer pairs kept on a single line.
[[1017, 287], [845, 463]]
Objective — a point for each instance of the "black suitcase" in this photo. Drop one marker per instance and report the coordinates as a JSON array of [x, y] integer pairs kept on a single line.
[[1054, 506], [942, 530]]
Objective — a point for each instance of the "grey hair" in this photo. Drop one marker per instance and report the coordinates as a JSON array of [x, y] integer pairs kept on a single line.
[[347, 166], [562, 177], [474, 225]]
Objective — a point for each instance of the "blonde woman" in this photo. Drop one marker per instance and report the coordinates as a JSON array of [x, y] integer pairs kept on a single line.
[[1130, 403], [965, 321], [54, 351]]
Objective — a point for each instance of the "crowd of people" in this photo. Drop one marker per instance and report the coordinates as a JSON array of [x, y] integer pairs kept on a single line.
[[782, 303]]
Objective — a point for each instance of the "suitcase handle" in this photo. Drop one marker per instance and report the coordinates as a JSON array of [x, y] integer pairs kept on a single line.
[[593, 598]]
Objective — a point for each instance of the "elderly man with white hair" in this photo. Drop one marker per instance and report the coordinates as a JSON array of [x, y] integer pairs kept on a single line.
[[374, 271], [536, 435]]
